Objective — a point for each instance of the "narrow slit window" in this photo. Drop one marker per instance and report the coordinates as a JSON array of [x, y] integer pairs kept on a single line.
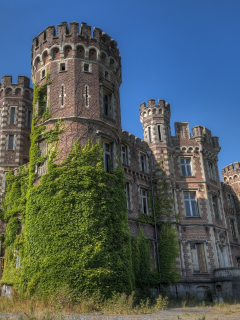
[[62, 95], [124, 154], [215, 207], [150, 134], [11, 142], [86, 96], [43, 74], [127, 194], [13, 111], [29, 119], [144, 201], [159, 133]]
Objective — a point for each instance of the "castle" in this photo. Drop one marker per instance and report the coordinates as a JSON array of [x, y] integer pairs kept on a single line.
[[85, 95]]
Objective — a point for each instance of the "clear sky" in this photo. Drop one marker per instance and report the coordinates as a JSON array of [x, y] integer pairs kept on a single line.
[[184, 51]]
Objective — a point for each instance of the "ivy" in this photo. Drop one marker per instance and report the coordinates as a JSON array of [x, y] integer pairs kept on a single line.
[[70, 227]]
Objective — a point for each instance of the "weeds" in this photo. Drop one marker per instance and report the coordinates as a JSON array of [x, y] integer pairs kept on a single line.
[[63, 303]]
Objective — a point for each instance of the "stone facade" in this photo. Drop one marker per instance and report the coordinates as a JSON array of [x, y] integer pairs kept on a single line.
[[85, 95]]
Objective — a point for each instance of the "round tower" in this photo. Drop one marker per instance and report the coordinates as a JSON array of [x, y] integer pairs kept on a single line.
[[15, 124], [86, 75]]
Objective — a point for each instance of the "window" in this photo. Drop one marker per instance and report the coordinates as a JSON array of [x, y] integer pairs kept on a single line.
[[210, 168], [42, 168], [106, 75], [143, 162], [86, 67], [215, 207], [198, 258], [238, 262], [232, 228], [29, 118], [42, 102], [124, 154], [12, 115], [43, 74], [150, 134], [86, 96], [190, 204], [144, 201], [11, 142], [186, 167], [107, 156], [170, 157], [160, 111], [62, 67], [159, 132], [223, 256], [107, 106], [127, 194], [229, 200], [233, 202]]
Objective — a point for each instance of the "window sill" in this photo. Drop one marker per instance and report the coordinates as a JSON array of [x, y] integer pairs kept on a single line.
[[188, 176], [109, 118], [200, 273], [62, 71], [190, 217], [87, 72]]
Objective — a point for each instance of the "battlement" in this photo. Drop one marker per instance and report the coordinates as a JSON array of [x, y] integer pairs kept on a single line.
[[130, 138], [73, 35], [23, 82], [160, 109], [232, 168], [206, 134]]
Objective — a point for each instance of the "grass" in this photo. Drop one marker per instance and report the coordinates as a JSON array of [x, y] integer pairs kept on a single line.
[[65, 304]]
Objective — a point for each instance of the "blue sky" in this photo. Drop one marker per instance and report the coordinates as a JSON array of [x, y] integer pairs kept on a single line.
[[184, 51]]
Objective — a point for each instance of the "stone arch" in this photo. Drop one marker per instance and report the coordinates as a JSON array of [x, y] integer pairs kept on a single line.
[[45, 56], [103, 57], [93, 54], [18, 91], [1, 92], [230, 180], [190, 149], [37, 62], [8, 91], [68, 50], [55, 52], [80, 51], [235, 178], [27, 94]]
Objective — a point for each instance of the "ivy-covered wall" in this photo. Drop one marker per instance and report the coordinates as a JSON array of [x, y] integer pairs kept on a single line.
[[71, 227]]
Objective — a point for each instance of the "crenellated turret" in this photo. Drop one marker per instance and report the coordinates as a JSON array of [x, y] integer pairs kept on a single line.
[[72, 43]]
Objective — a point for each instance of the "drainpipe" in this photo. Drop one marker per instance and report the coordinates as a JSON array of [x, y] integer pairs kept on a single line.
[[149, 154]]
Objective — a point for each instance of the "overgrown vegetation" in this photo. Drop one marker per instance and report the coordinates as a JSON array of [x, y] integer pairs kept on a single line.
[[71, 228]]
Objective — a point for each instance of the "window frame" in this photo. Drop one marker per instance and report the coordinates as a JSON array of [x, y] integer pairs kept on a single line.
[[211, 170], [125, 154], [9, 136], [201, 257], [150, 134], [107, 154], [232, 227], [127, 193], [28, 118], [186, 166], [143, 164], [142, 197], [190, 200], [13, 114], [107, 112], [216, 205]]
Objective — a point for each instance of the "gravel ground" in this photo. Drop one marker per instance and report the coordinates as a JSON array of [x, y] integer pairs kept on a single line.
[[224, 313]]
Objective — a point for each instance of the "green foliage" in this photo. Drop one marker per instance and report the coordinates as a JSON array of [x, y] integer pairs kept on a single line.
[[168, 252], [164, 211], [146, 276]]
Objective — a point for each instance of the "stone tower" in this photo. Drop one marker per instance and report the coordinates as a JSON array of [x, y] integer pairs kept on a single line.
[[86, 73], [15, 124]]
